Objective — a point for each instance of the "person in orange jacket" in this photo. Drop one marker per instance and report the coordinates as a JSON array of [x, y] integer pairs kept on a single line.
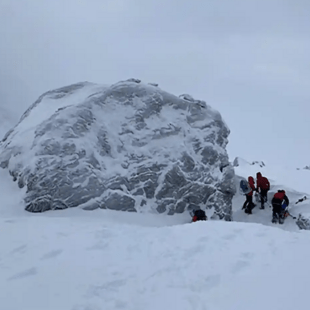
[[248, 204], [262, 187]]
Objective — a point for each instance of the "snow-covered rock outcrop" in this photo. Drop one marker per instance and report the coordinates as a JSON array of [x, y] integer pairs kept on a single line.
[[129, 146], [238, 161], [6, 121]]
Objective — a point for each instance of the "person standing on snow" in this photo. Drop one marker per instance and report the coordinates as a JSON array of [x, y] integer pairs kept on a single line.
[[279, 203], [248, 204], [262, 187]]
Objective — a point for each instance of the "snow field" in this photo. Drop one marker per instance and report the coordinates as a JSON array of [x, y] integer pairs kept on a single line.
[[93, 262], [108, 260]]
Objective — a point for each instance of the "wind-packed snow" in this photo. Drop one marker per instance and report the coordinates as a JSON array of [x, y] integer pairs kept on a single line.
[[103, 259]]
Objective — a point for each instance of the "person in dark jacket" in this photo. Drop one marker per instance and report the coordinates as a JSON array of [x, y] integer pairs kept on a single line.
[[248, 204], [262, 187], [199, 215], [279, 203]]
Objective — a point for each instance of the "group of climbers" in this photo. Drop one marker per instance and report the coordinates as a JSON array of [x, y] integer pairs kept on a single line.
[[262, 187], [279, 201]]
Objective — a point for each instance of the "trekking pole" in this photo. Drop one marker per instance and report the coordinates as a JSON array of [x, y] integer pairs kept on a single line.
[[301, 200], [294, 217], [262, 198]]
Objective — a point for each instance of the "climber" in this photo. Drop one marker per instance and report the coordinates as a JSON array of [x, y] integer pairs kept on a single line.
[[262, 187], [199, 215], [279, 204], [248, 204]]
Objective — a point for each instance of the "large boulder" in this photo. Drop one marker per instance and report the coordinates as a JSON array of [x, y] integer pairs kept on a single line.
[[129, 146]]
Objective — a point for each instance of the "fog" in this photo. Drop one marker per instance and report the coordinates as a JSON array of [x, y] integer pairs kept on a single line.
[[247, 59]]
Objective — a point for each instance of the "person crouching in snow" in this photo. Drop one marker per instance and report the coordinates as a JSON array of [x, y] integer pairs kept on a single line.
[[279, 203], [199, 215], [248, 204], [262, 187]]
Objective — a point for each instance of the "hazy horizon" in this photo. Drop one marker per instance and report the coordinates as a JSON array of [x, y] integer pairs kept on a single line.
[[249, 60]]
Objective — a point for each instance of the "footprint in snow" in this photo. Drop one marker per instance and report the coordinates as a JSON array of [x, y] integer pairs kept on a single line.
[[192, 251], [239, 266], [247, 255], [261, 234], [21, 249], [99, 246], [205, 284], [212, 281], [230, 237], [85, 307], [24, 274], [9, 221], [235, 234], [105, 289], [51, 254], [203, 239]]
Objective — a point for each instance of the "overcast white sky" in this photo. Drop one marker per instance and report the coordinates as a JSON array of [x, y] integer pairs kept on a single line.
[[248, 59]]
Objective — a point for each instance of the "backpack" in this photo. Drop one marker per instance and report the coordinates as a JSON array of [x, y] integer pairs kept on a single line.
[[245, 187], [279, 195], [284, 206], [264, 183]]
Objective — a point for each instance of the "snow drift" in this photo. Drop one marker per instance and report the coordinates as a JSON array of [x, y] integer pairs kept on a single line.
[[72, 261], [129, 146]]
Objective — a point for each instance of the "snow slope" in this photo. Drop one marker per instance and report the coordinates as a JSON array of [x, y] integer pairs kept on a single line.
[[103, 259], [107, 260], [6, 121]]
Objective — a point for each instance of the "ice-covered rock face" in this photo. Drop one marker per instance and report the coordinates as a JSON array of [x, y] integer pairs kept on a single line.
[[129, 146]]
